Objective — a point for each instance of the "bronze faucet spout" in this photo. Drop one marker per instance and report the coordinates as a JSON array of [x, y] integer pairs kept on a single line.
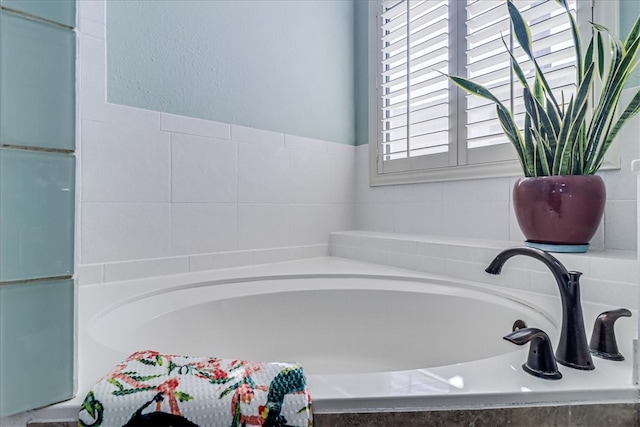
[[572, 349]]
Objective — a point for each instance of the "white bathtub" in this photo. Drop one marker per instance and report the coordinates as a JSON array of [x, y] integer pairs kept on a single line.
[[370, 338]]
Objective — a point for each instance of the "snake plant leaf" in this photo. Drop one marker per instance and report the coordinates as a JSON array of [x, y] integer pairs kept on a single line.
[[634, 34], [520, 28], [555, 118], [543, 153], [573, 122], [600, 52], [516, 66], [510, 129], [610, 97], [528, 141], [605, 104], [523, 36], [576, 41], [633, 108], [539, 116], [562, 139], [538, 92], [572, 136], [474, 88]]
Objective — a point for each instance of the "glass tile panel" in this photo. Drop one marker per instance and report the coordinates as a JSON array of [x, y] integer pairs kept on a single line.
[[61, 11], [36, 345], [37, 84], [36, 214]]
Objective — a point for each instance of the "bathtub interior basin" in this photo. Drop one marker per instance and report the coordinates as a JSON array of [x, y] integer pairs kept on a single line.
[[331, 325]]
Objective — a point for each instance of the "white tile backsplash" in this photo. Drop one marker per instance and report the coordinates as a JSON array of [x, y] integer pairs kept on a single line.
[[263, 173], [620, 224], [263, 225], [203, 170], [200, 228], [124, 231], [418, 218], [608, 278], [257, 136], [121, 163], [193, 126], [308, 181], [312, 223], [293, 142], [145, 268]]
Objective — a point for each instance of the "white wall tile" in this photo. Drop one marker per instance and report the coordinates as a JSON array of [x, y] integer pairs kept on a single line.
[[419, 193], [375, 216], [611, 269], [145, 268], [203, 228], [293, 142], [266, 256], [479, 190], [311, 224], [263, 173], [124, 231], [341, 177], [193, 126], [476, 220], [432, 265], [91, 76], [89, 27], [124, 164], [220, 260], [263, 226], [620, 222], [365, 193], [203, 170], [92, 9], [309, 177], [614, 294], [418, 218], [256, 136], [90, 274]]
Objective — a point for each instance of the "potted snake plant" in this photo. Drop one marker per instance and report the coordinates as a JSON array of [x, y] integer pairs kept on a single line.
[[560, 202]]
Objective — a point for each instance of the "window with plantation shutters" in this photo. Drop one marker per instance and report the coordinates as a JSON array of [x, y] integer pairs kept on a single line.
[[427, 129]]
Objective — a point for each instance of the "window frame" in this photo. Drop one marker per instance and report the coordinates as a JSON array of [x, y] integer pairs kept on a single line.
[[604, 12]]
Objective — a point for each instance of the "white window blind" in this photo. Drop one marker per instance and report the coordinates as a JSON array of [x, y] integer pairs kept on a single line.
[[424, 122]]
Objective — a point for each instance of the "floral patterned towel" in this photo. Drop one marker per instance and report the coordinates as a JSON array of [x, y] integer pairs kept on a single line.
[[153, 389]]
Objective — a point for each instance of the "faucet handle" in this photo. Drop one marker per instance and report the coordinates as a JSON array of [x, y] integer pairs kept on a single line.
[[541, 362], [603, 338]]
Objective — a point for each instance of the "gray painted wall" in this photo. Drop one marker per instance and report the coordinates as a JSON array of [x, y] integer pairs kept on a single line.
[[285, 66]]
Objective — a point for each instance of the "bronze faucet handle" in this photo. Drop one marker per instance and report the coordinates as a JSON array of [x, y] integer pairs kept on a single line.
[[541, 362], [603, 338]]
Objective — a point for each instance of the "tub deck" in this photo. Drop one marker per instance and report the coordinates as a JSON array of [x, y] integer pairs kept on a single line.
[[496, 382]]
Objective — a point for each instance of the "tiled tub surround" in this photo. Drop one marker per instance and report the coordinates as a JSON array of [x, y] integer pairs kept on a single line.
[[167, 202], [609, 277], [497, 382], [167, 194]]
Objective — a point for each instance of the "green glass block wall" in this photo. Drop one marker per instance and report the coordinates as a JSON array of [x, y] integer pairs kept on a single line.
[[37, 80], [37, 202], [36, 214], [36, 335], [60, 11]]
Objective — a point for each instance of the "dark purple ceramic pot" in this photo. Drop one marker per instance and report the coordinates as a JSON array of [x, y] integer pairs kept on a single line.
[[565, 209]]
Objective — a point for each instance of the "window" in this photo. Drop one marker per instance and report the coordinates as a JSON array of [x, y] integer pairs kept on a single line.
[[428, 129]]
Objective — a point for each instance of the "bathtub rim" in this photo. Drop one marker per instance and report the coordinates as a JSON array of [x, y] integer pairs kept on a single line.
[[99, 326], [572, 387]]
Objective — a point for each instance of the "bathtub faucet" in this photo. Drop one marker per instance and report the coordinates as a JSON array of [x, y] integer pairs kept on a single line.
[[572, 349]]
